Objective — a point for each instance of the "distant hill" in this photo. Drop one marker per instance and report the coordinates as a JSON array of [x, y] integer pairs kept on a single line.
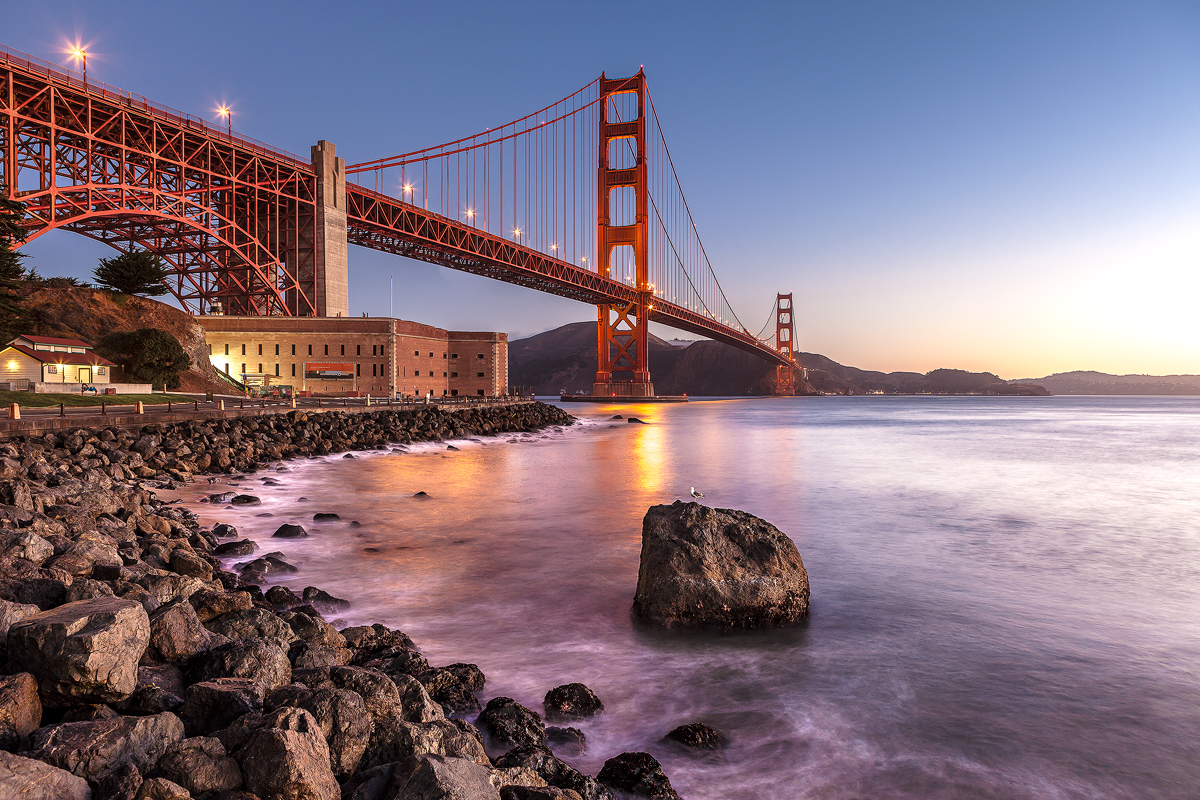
[[1089, 382], [564, 360]]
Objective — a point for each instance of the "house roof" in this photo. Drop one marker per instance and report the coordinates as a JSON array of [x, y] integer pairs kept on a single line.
[[47, 357], [53, 340]]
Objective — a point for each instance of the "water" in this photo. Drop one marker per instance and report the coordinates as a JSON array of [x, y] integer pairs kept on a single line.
[[1004, 590]]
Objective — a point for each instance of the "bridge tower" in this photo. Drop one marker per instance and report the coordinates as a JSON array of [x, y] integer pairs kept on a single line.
[[623, 330], [785, 336]]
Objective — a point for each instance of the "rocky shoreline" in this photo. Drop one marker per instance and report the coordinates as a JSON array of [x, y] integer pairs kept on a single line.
[[137, 667]]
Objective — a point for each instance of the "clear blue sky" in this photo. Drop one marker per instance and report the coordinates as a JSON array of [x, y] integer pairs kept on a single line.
[[1010, 186]]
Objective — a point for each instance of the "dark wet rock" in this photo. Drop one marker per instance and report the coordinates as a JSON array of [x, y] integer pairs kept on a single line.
[[397, 740], [187, 563], [507, 723], [717, 568], [121, 783], [200, 765], [212, 705], [30, 779], [428, 777], [221, 497], [349, 455], [260, 660], [224, 531], [636, 421], [697, 736], [90, 749], [86, 651], [288, 531], [45, 593], [240, 548], [537, 793], [245, 500], [355, 523], [616, 416], [568, 741], [283, 597], [422, 494], [265, 515], [342, 716], [451, 447], [286, 757], [322, 516], [253, 623], [378, 691], [637, 774], [266, 566], [162, 789], [211, 604], [88, 713], [176, 633], [553, 770], [455, 687], [306, 655], [572, 701], [159, 688], [416, 705], [301, 499], [322, 599], [20, 708]]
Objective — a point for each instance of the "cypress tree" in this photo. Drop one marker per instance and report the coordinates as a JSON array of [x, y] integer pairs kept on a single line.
[[135, 272]]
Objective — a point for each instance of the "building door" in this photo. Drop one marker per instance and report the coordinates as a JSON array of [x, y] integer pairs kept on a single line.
[[85, 374]]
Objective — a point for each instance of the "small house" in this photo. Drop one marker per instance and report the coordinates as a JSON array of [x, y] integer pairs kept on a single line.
[[47, 359]]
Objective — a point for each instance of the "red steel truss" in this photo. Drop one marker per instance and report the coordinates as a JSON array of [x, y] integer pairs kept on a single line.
[[235, 218], [785, 337]]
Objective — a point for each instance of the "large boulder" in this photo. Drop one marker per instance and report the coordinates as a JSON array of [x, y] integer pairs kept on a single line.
[[397, 740], [571, 701], [286, 757], [200, 765], [637, 775], [20, 708], [211, 705], [717, 568], [553, 770], [82, 652], [176, 633], [260, 660], [507, 723], [90, 749], [342, 716], [30, 779]]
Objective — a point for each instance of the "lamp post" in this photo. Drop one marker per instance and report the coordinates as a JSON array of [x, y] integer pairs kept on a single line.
[[227, 113], [78, 53]]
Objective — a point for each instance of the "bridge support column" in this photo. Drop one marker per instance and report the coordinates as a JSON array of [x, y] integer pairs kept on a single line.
[[623, 332], [785, 337], [330, 262]]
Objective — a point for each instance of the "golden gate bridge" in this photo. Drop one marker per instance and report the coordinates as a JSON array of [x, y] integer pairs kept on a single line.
[[579, 199]]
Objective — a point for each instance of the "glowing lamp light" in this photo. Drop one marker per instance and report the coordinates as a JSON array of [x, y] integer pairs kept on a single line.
[[553, 247], [470, 212]]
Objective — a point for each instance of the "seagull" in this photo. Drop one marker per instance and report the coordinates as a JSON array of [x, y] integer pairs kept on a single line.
[[695, 493]]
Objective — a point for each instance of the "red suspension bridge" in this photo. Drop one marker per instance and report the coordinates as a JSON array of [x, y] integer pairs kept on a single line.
[[579, 199]]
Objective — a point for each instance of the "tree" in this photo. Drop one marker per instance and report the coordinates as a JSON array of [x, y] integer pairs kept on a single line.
[[150, 355], [135, 272], [13, 319]]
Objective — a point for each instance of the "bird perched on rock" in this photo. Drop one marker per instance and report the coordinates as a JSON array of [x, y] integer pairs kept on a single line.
[[695, 493]]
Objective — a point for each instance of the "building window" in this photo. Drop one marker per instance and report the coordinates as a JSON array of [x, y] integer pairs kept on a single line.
[[52, 369], [479, 356], [226, 367], [210, 349], [276, 349], [372, 370], [276, 370], [443, 355], [343, 350], [243, 349], [260, 369], [453, 374], [454, 392], [443, 374], [326, 349], [478, 374], [479, 392], [372, 349], [293, 370], [260, 353], [416, 352], [243, 365], [310, 349], [454, 355], [358, 349], [357, 368], [100, 370], [431, 355], [226, 349], [293, 349]]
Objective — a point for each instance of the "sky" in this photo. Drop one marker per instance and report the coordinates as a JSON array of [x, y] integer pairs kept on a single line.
[[1003, 186]]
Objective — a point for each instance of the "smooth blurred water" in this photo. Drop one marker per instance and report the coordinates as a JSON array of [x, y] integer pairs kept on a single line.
[[1005, 591]]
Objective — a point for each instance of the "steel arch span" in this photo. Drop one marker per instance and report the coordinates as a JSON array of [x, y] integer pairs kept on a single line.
[[579, 199]]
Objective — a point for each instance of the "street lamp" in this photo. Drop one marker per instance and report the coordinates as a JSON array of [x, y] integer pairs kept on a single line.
[[78, 53], [227, 113]]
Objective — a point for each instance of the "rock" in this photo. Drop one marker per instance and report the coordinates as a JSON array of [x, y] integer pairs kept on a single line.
[[211, 705], [378, 691], [159, 689], [551, 769], [636, 421], [245, 500], [282, 597], [200, 764], [210, 604], [86, 651], [572, 701], [90, 749], [325, 517], [121, 783], [569, 741], [260, 660], [322, 599], [537, 793], [221, 497], [286, 757], [397, 740], [45, 593], [30, 779], [12, 613], [455, 687], [87, 713], [306, 655], [224, 531], [616, 416], [342, 716], [415, 703], [637, 774], [507, 723], [162, 789], [20, 708], [253, 623], [287, 531], [433, 777], [176, 633], [717, 568], [422, 495], [30, 547], [187, 563], [697, 736], [240, 548]]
